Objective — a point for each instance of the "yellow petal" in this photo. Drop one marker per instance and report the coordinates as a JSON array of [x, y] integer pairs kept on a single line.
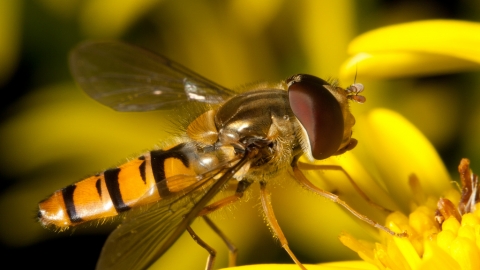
[[363, 249], [399, 149], [345, 265], [465, 252], [10, 17], [54, 133], [109, 18], [415, 48], [324, 38], [254, 15], [399, 64], [408, 251], [435, 258]]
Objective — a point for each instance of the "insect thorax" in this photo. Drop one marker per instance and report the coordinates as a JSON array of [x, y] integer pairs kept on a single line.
[[253, 117]]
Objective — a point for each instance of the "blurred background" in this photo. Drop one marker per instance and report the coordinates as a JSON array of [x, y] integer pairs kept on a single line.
[[51, 134]]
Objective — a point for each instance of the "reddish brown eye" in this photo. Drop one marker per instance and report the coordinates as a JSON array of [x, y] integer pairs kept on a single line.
[[319, 113]]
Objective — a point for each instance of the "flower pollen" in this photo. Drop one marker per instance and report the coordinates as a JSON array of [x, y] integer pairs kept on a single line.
[[443, 233]]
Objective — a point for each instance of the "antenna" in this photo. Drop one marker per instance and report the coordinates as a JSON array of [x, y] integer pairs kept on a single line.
[[354, 89]]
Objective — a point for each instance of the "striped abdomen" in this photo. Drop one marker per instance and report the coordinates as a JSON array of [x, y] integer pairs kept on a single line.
[[134, 183]]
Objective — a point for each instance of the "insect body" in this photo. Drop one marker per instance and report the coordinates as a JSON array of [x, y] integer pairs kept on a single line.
[[245, 138]]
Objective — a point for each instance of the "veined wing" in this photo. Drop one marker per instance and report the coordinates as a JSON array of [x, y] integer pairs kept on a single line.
[[149, 232], [128, 78]]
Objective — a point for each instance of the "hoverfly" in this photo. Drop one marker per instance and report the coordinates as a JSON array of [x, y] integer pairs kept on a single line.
[[245, 138]]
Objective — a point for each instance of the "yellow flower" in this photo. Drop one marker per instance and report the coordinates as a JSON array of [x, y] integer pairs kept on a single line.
[[443, 233], [415, 49], [453, 245]]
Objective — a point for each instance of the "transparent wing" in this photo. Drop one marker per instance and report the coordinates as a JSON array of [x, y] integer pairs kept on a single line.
[[148, 232], [128, 78]]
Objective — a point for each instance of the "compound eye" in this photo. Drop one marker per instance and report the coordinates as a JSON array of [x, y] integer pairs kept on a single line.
[[319, 113]]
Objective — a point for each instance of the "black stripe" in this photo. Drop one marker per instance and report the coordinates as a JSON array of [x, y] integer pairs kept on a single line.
[[69, 204], [142, 169], [98, 185], [158, 158], [113, 187]]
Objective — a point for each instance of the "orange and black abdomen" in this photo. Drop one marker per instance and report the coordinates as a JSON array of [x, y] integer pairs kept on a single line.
[[137, 182]]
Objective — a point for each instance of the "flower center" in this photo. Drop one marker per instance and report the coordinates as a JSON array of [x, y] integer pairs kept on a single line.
[[443, 233]]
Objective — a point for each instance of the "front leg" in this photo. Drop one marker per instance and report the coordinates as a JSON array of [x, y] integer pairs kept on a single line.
[[273, 223], [241, 187], [304, 182], [307, 166]]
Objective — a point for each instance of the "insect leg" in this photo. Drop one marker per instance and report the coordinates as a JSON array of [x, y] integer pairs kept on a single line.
[[307, 166], [211, 251], [188, 218], [272, 221], [250, 154], [241, 187], [300, 177], [232, 249]]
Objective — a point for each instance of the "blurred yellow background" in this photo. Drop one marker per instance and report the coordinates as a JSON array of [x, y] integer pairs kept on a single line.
[[52, 134]]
